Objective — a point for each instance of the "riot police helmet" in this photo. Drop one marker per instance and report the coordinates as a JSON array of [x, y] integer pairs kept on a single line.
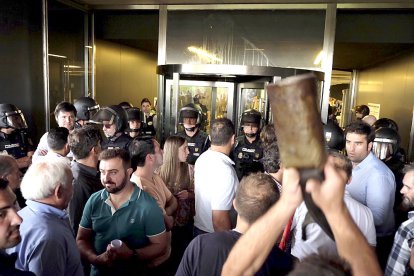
[[363, 110], [11, 117], [125, 105], [251, 116], [86, 107], [191, 111], [385, 122], [386, 143], [334, 136], [114, 114]]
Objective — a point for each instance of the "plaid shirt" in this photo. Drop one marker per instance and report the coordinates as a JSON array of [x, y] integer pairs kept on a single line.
[[399, 258]]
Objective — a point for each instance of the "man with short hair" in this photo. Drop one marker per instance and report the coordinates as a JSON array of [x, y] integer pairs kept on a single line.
[[9, 170], [65, 114], [146, 157], [207, 253], [122, 211], [85, 143], [48, 246], [399, 258], [57, 141], [149, 118], [309, 238], [216, 181], [372, 184], [9, 230]]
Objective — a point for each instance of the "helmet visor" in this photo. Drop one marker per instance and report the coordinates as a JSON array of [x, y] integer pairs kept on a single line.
[[93, 110], [382, 150], [103, 115], [15, 119]]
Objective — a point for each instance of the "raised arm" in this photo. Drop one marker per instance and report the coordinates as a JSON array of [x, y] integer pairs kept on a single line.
[[252, 249], [351, 244]]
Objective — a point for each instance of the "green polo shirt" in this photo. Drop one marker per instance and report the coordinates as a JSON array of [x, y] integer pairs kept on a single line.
[[135, 221]]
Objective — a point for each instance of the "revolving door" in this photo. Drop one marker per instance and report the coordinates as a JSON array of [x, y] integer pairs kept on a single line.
[[221, 91]]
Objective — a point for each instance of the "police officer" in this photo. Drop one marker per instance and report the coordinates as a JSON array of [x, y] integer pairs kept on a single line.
[[149, 118], [361, 111], [13, 135], [386, 146], [248, 150], [198, 142], [86, 107], [334, 136], [113, 120], [134, 122]]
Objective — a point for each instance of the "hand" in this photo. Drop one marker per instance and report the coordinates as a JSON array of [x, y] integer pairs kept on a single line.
[[291, 191], [328, 195], [105, 259], [183, 195], [123, 252], [24, 162]]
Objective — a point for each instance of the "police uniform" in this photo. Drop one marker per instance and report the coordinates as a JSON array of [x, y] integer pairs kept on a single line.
[[119, 142], [247, 156], [16, 144], [148, 125], [197, 144]]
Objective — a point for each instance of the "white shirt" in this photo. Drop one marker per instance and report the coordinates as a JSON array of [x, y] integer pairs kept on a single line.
[[43, 147], [318, 242], [215, 185]]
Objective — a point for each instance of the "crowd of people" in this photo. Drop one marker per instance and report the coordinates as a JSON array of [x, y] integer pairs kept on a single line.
[[99, 195]]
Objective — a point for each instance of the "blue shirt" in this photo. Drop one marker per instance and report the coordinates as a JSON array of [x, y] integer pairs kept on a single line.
[[48, 246], [373, 185]]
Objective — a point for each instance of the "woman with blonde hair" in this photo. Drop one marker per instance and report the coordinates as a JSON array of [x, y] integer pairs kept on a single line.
[[178, 176]]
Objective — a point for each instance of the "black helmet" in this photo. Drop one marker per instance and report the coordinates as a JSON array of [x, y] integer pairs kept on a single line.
[[386, 143], [334, 136], [86, 107], [363, 109], [134, 113], [114, 114], [11, 117], [385, 122], [251, 116], [191, 111], [125, 105]]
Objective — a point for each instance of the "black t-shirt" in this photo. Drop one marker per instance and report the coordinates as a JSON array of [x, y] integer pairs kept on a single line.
[[86, 181], [207, 253]]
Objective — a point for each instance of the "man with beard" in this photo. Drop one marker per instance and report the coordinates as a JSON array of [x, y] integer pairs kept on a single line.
[[124, 212], [399, 258]]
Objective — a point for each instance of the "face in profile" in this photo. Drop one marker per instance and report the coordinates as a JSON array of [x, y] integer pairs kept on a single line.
[[408, 190], [9, 220], [183, 152]]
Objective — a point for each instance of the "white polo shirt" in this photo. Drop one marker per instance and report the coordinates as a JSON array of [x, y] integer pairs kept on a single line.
[[215, 185], [318, 242]]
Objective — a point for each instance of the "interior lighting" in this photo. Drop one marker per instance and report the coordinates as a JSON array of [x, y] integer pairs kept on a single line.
[[318, 58], [204, 54]]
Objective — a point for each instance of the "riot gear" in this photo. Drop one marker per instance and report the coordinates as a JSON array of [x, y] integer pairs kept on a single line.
[[253, 117], [126, 105], [386, 143], [385, 122], [191, 111], [334, 136], [363, 110], [133, 114], [86, 107], [11, 117], [114, 114], [247, 156], [197, 144]]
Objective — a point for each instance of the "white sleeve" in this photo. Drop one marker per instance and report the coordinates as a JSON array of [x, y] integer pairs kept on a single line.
[[42, 147]]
